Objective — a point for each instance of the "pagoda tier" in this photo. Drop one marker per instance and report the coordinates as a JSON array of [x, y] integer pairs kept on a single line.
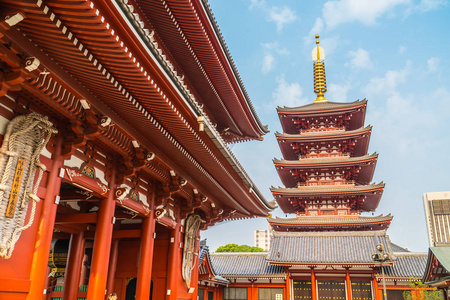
[[333, 200], [323, 116], [331, 171], [330, 223], [325, 144]]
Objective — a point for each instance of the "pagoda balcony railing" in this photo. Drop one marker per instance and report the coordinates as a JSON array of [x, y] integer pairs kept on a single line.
[[321, 129], [323, 155], [326, 183]]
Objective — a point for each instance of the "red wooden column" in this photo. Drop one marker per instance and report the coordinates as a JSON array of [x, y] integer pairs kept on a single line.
[[194, 276], [313, 285], [174, 265], [375, 288], [146, 254], [348, 284], [46, 223], [73, 269], [102, 244], [288, 286], [112, 266]]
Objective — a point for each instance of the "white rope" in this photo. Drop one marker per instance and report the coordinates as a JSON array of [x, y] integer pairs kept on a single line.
[[192, 226], [25, 137]]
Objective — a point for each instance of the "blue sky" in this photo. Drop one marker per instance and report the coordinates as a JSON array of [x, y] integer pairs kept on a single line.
[[395, 53]]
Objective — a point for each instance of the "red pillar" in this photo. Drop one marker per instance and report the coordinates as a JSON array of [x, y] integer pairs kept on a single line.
[[288, 286], [46, 223], [348, 284], [375, 288], [73, 269], [112, 266], [313, 285], [102, 244], [146, 255], [174, 266]]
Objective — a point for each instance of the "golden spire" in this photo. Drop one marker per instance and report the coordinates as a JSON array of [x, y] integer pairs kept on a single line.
[[320, 81]]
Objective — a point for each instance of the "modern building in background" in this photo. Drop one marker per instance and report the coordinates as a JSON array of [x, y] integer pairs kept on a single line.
[[437, 213], [263, 238]]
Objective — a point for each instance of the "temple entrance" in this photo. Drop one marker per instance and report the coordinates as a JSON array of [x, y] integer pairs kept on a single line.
[[361, 290], [302, 290], [331, 290]]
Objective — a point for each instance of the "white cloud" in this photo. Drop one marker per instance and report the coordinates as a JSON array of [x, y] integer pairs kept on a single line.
[[389, 82], [364, 11], [337, 93], [426, 5], [433, 64], [268, 63], [316, 29], [287, 94], [360, 59], [276, 48], [281, 16], [401, 49]]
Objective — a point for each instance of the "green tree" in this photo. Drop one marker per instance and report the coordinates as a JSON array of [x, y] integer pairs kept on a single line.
[[420, 291], [238, 248]]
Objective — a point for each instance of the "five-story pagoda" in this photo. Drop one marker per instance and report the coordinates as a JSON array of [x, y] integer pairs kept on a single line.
[[326, 170]]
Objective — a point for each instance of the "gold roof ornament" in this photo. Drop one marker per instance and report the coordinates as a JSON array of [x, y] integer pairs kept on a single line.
[[320, 81]]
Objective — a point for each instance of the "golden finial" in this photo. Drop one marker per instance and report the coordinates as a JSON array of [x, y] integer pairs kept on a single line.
[[320, 81]]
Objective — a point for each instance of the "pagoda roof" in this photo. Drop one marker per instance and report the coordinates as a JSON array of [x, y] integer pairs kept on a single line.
[[323, 106], [254, 264], [323, 109], [331, 223], [362, 136], [366, 162], [205, 268], [330, 248], [372, 192], [329, 220], [407, 265]]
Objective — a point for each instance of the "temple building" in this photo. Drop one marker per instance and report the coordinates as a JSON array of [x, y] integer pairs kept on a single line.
[[329, 250], [115, 120], [437, 214]]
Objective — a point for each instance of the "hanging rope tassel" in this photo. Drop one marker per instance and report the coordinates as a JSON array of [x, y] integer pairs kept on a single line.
[[25, 138]]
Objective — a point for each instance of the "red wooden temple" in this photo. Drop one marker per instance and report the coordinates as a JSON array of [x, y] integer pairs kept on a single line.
[[133, 104], [329, 250]]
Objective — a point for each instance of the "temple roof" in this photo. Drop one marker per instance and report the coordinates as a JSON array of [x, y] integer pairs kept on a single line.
[[206, 269], [252, 264], [329, 220], [322, 106], [361, 135], [285, 196], [437, 271], [407, 265], [332, 248], [365, 174]]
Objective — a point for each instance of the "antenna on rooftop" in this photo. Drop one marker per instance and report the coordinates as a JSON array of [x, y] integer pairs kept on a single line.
[[320, 81]]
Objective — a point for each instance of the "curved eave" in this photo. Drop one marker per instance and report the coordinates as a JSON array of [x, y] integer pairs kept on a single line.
[[357, 110], [372, 194], [360, 136], [322, 221], [367, 264], [367, 164], [188, 34], [117, 81]]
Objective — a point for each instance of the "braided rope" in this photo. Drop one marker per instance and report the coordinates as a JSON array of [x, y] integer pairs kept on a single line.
[[25, 138], [193, 223]]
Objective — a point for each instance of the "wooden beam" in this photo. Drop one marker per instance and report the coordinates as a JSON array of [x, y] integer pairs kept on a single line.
[[129, 233], [82, 218]]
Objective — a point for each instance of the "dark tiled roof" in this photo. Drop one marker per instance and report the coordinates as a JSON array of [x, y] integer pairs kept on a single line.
[[330, 220], [321, 161], [322, 106], [327, 189], [326, 247], [323, 135], [244, 264], [407, 265], [397, 248]]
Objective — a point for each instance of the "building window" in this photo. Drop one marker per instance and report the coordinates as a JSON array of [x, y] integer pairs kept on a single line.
[[270, 293], [201, 294], [235, 293]]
